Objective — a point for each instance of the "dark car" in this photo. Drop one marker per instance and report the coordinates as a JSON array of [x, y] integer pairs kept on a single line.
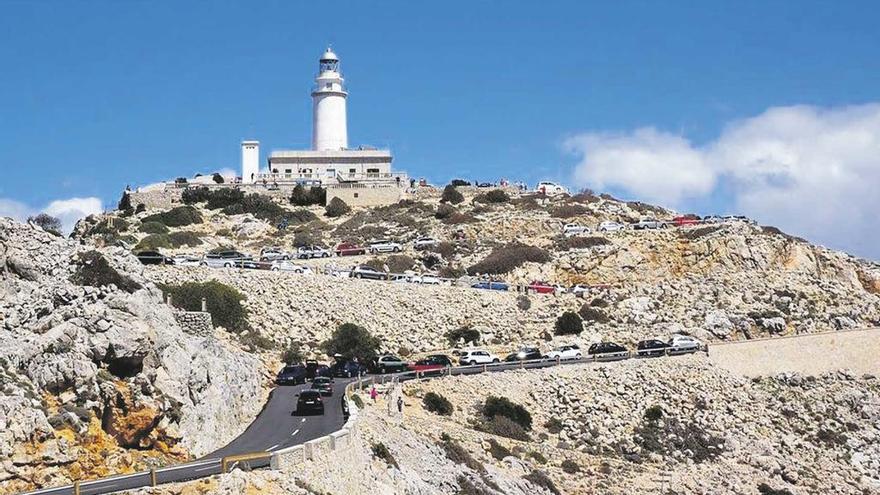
[[608, 351], [485, 184], [524, 354], [310, 401], [348, 369], [323, 384], [292, 374], [435, 363], [364, 271], [651, 348], [316, 369], [154, 258]]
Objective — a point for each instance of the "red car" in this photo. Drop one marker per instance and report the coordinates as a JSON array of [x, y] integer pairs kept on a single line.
[[686, 220], [542, 287], [435, 363], [349, 249]]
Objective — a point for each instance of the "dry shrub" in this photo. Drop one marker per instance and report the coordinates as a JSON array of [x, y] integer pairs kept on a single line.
[[506, 258]]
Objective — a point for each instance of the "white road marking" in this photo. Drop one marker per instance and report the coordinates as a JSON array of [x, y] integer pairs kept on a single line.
[[205, 468], [303, 420], [295, 432], [270, 449]]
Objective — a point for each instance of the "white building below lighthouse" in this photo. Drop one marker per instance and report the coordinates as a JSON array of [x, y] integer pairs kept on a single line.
[[352, 174]]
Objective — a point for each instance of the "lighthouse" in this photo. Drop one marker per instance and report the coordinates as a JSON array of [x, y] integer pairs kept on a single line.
[[329, 127]]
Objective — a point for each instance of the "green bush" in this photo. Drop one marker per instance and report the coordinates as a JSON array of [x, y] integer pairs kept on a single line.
[[538, 457], [153, 228], [336, 208], [437, 404], [444, 211], [670, 437], [153, 242], [217, 178], [589, 313], [93, 270], [258, 205], [47, 222], [255, 341], [568, 210], [292, 354], [458, 218], [568, 323], [192, 195], [224, 302], [466, 334], [451, 195], [124, 204], [399, 263], [765, 489], [176, 217], [504, 427], [302, 197], [304, 238], [540, 479], [459, 455], [568, 243], [222, 198], [523, 302], [696, 233], [358, 402], [184, 238], [502, 406], [598, 302], [498, 451], [352, 342], [109, 226], [554, 425], [450, 271], [493, 196], [654, 413], [382, 452], [570, 467], [505, 259]]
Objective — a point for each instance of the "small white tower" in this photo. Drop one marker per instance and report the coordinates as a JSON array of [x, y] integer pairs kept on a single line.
[[250, 161], [329, 128]]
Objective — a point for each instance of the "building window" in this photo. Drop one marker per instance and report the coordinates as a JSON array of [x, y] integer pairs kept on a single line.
[[288, 171], [356, 195]]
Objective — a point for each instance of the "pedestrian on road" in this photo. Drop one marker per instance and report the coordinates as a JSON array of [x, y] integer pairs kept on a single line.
[[373, 393], [400, 405]]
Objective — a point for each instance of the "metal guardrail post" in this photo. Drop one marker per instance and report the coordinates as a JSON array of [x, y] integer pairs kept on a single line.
[[153, 476], [223, 465]]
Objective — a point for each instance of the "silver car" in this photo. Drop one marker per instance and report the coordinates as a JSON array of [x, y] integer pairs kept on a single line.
[[384, 246], [224, 259]]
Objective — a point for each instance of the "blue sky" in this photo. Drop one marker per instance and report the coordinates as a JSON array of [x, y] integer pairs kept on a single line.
[[96, 95]]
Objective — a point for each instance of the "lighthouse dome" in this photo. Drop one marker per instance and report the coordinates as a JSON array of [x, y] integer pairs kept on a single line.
[[329, 56]]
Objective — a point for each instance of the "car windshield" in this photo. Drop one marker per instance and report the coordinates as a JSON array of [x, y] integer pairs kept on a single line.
[[291, 369], [308, 394]]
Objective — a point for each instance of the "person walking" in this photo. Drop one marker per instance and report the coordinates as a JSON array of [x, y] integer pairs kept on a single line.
[[373, 393], [400, 405]]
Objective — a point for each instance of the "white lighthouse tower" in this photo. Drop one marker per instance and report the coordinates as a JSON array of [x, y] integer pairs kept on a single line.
[[329, 128]]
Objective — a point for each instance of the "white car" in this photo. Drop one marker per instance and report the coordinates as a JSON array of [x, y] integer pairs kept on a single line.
[[579, 289], [563, 352], [273, 254], [649, 223], [288, 266], [550, 188], [573, 229], [477, 356], [306, 252], [424, 242], [186, 260], [680, 344], [384, 246], [609, 226]]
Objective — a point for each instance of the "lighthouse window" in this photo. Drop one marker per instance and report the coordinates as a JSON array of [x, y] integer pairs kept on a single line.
[[327, 85]]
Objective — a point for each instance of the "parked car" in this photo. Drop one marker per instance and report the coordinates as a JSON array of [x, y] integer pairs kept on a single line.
[[324, 385], [292, 374], [683, 220], [609, 226], [485, 184], [384, 246], [315, 369], [491, 285], [570, 351], [713, 219], [310, 401], [573, 229], [223, 259], [608, 351], [289, 266], [186, 260], [424, 243], [435, 363], [154, 258], [306, 252], [681, 344], [545, 287], [390, 364], [248, 263], [364, 271], [524, 354], [549, 188], [349, 249], [649, 224], [477, 356], [651, 348], [348, 369], [425, 279], [579, 289], [273, 254]]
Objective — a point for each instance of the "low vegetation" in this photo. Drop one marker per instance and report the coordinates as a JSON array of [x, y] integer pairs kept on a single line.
[[437, 404], [173, 240], [380, 451], [570, 467], [660, 434], [540, 478], [292, 354], [223, 302], [352, 341], [506, 258], [180, 216], [451, 195], [258, 205], [523, 302], [459, 455], [589, 313], [93, 270], [493, 196], [498, 451], [553, 425], [47, 222], [463, 334], [153, 228], [568, 323], [568, 210], [313, 196], [569, 243], [504, 407], [336, 208]]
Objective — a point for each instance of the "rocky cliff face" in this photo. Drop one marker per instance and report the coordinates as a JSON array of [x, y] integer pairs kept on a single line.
[[97, 376]]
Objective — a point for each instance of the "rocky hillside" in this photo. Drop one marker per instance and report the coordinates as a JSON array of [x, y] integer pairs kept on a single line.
[[97, 376]]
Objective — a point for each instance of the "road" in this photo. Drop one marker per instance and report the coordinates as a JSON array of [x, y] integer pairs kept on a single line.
[[276, 427]]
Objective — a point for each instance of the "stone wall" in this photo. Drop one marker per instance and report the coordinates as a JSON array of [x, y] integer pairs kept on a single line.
[[813, 354], [366, 195], [195, 322]]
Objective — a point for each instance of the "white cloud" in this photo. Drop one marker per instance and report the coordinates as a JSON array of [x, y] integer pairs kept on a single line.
[[811, 171], [69, 211]]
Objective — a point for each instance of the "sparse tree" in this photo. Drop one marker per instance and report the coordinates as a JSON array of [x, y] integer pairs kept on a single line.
[[47, 222]]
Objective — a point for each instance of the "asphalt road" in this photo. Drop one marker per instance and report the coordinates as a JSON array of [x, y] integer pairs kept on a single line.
[[276, 427]]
